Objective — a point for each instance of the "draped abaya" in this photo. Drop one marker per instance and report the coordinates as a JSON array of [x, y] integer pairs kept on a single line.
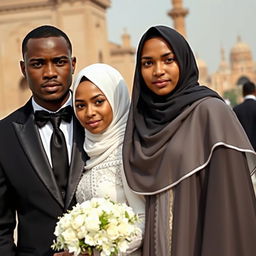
[[187, 152]]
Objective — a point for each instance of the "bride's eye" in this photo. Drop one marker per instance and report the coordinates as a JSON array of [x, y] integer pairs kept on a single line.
[[79, 105], [99, 101]]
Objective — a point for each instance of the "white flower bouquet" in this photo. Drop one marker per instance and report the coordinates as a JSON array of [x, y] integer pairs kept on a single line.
[[98, 224]]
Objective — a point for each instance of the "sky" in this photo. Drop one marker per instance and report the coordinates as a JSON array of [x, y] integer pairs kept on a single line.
[[210, 24]]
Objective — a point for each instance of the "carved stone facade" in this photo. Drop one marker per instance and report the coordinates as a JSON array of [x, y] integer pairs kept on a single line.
[[85, 23], [229, 77], [241, 68]]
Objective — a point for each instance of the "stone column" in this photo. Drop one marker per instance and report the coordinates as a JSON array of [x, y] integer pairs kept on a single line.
[[178, 14]]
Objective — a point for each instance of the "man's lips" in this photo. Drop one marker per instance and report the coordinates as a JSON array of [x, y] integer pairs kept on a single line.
[[51, 86]]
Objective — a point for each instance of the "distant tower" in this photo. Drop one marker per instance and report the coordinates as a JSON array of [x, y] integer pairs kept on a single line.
[[178, 14]]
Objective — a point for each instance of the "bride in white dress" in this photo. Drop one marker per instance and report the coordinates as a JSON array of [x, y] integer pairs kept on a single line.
[[101, 103]]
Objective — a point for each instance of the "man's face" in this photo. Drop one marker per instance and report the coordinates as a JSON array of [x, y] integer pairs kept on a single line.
[[48, 68]]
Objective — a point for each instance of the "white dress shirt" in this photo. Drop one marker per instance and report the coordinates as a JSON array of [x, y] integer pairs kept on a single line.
[[250, 96], [46, 131]]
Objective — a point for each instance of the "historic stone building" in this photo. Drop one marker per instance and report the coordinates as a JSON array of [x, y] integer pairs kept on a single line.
[[230, 75], [240, 68], [85, 23]]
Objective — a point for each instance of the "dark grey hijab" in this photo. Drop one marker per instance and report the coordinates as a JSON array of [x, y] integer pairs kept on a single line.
[[150, 129]]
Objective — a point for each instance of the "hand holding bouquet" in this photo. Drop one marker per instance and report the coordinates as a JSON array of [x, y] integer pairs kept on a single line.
[[99, 224]]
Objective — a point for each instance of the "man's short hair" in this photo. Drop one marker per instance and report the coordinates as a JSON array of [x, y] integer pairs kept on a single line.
[[44, 32], [248, 88]]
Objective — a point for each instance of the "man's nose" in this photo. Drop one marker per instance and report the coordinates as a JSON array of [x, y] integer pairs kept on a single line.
[[50, 71]]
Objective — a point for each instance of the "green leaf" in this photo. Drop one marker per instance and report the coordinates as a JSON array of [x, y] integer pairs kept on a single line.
[[103, 220]]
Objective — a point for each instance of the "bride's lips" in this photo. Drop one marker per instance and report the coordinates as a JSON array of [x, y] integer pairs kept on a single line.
[[93, 124]]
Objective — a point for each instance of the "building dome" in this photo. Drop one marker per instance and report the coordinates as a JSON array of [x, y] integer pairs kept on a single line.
[[240, 47], [240, 51]]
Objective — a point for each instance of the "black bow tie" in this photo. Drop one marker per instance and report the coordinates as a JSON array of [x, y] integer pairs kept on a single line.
[[42, 116]]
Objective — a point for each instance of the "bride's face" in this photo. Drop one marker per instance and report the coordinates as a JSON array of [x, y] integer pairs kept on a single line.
[[92, 108]]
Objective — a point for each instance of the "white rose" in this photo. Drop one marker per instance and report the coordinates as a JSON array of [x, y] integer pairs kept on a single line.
[[69, 235], [123, 246], [125, 228], [90, 240], [92, 223], [82, 232], [78, 221], [74, 248], [106, 249], [112, 231]]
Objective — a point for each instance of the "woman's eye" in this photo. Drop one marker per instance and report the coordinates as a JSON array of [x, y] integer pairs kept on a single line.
[[80, 106], [147, 63], [170, 60], [99, 101]]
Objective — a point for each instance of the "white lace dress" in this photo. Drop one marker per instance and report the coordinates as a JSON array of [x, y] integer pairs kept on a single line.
[[107, 179]]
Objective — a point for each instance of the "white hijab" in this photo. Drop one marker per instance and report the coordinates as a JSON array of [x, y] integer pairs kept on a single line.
[[111, 83]]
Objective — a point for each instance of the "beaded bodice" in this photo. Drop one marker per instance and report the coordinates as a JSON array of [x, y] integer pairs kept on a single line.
[[103, 180]]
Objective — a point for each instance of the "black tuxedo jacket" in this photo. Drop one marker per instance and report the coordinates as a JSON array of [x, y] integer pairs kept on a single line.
[[28, 186], [246, 113]]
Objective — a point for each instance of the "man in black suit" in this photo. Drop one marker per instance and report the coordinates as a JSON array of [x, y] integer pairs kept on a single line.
[[33, 181], [246, 112]]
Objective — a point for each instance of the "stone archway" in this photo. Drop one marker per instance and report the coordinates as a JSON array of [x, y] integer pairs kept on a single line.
[[242, 80]]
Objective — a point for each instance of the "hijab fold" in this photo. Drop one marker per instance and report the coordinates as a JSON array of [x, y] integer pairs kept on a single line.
[[159, 128], [191, 141]]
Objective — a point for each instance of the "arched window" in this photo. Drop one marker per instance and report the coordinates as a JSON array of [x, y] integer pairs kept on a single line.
[[242, 80]]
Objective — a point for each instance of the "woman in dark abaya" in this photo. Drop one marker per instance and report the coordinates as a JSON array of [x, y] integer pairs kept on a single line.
[[185, 150]]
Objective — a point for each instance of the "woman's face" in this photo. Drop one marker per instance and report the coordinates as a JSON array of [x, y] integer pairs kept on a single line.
[[92, 108], [159, 67]]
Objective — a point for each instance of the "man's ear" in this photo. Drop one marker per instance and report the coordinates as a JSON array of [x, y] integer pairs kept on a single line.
[[73, 63], [22, 68]]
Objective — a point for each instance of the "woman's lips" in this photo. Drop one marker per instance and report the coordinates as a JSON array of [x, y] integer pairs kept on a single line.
[[93, 124], [161, 83]]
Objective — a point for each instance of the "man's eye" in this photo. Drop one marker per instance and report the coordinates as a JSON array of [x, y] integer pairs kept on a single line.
[[61, 62], [36, 64]]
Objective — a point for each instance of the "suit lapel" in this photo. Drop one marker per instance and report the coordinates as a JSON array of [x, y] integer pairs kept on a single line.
[[78, 160], [29, 138]]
